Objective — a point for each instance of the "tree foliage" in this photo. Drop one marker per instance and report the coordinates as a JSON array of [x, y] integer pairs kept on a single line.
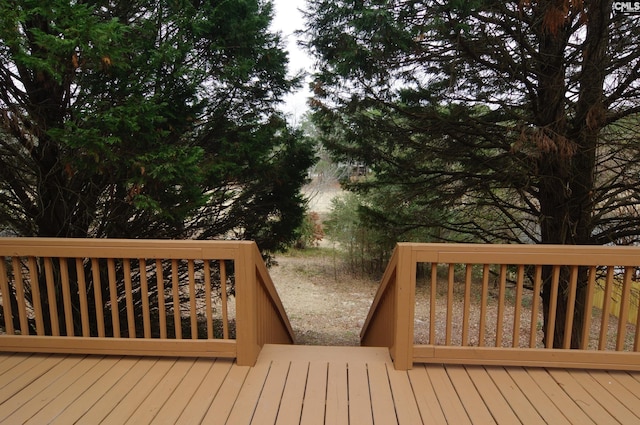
[[498, 121], [146, 118]]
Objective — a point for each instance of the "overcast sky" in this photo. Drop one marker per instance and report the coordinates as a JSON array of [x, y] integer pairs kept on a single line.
[[287, 20]]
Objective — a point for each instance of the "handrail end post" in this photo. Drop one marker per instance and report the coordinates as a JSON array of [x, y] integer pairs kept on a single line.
[[246, 321], [405, 307]]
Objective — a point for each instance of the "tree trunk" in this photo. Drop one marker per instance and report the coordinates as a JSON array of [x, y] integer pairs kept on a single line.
[[562, 307], [567, 147]]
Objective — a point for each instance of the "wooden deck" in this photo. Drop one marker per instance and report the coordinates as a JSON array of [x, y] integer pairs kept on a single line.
[[305, 385]]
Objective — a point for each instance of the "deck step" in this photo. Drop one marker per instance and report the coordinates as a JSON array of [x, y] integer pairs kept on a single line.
[[317, 353]]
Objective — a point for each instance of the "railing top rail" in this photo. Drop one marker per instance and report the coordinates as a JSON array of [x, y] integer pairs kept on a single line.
[[565, 255], [122, 248]]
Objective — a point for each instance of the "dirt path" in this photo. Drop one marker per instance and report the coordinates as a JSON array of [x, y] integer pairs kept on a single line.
[[325, 305]]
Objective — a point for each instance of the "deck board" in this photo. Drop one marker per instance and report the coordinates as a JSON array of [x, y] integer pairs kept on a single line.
[[337, 410], [360, 410], [538, 399], [500, 409], [13, 365], [517, 400], [171, 410], [293, 395], [427, 402], [605, 398], [219, 410], [452, 407], [315, 394], [582, 398], [93, 394], [249, 396], [24, 373], [196, 408], [68, 396], [159, 395], [626, 380], [305, 385], [469, 396], [628, 398], [120, 390], [26, 403], [382, 406], [559, 396], [269, 402]]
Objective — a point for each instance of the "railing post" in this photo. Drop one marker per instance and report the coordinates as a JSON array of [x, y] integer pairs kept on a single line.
[[402, 351], [246, 321]]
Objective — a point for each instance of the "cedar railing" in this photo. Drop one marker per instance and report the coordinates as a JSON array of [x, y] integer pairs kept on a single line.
[[173, 298], [480, 304]]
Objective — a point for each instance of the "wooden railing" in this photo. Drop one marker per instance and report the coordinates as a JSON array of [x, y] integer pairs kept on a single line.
[[138, 297], [481, 304]]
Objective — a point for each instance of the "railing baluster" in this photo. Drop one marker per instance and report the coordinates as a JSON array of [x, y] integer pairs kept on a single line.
[[535, 306], [82, 294], [128, 295], [636, 342], [144, 298], [588, 301], [6, 295], [432, 303], [606, 309], [97, 294], [483, 305], [625, 300], [450, 284], [517, 308], [466, 316], [553, 306], [223, 295], [192, 300], [19, 285], [175, 291], [207, 298], [501, 299], [162, 311], [51, 296], [113, 298], [66, 296], [571, 302], [35, 294]]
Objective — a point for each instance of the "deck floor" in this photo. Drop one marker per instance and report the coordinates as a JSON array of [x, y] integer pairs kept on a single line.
[[305, 385]]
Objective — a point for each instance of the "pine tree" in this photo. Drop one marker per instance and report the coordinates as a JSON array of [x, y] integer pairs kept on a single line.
[[503, 121]]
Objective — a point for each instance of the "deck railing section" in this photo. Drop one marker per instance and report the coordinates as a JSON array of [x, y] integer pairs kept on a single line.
[[481, 304], [138, 297]]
